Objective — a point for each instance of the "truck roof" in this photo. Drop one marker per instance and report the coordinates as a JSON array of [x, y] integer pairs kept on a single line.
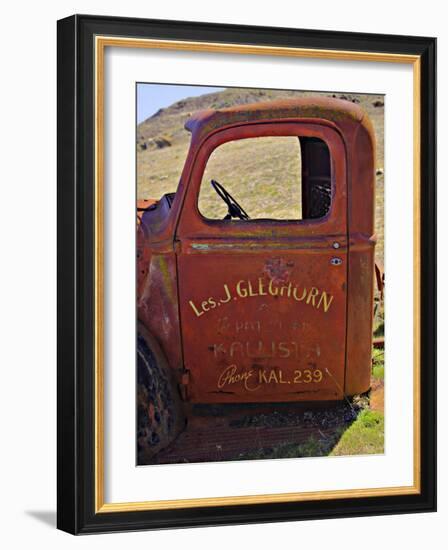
[[338, 111]]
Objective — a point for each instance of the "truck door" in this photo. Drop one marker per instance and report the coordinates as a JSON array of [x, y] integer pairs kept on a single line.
[[263, 300]]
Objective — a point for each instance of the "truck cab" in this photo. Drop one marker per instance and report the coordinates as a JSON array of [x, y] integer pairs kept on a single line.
[[267, 299]]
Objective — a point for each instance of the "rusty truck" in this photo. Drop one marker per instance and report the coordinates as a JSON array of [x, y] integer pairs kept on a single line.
[[255, 309]]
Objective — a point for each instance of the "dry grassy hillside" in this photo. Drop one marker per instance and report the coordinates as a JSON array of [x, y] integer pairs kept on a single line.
[[262, 185]]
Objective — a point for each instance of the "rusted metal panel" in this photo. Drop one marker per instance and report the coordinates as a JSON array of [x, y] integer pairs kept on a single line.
[[263, 325], [359, 320], [331, 110], [142, 206], [157, 297], [360, 146]]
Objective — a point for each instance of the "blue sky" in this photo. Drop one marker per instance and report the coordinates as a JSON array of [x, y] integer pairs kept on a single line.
[[152, 97]]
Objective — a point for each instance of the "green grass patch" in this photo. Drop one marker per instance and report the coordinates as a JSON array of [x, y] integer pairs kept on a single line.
[[378, 364], [364, 436], [378, 372]]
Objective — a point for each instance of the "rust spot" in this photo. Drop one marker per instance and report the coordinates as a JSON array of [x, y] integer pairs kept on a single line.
[[335, 110], [278, 270]]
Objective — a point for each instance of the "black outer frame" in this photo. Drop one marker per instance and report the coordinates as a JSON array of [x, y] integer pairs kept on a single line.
[[75, 403]]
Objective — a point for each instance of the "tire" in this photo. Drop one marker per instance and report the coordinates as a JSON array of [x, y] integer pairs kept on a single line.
[[160, 416]]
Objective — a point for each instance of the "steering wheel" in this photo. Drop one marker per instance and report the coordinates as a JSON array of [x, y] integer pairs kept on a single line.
[[235, 210]]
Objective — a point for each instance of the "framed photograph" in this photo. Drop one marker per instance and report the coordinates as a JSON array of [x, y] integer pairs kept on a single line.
[[246, 274]]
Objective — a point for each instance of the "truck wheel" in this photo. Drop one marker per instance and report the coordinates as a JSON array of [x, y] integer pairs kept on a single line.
[[160, 416]]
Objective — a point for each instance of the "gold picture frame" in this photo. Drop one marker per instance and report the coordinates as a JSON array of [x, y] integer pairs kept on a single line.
[[81, 35]]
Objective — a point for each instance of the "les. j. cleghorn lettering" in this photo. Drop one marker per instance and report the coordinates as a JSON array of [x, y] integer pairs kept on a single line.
[[245, 289]]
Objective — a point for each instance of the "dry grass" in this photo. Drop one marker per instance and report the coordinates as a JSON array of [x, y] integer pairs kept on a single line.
[[263, 175], [363, 437]]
